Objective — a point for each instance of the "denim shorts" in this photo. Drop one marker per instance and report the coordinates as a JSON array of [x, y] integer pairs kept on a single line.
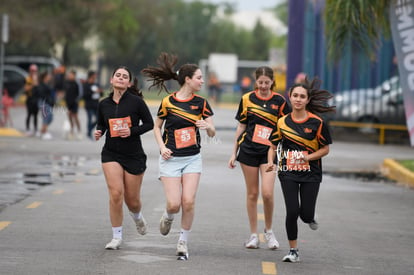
[[46, 111], [177, 166]]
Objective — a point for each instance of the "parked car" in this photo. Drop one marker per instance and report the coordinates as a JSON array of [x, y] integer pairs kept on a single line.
[[14, 79], [384, 104], [24, 62]]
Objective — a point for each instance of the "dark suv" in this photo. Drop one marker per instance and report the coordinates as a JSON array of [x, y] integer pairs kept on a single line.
[[14, 79]]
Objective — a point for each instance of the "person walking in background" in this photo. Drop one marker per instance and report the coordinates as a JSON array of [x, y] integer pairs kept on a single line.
[[32, 107], [245, 84], [123, 117], [72, 92], [46, 100], [214, 88], [183, 113], [258, 113], [302, 138], [91, 95]]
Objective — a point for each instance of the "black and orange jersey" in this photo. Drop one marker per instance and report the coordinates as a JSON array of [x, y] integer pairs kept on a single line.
[[300, 137], [181, 135], [132, 112], [260, 116]]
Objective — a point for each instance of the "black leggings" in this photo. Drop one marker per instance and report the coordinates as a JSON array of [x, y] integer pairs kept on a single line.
[[300, 201]]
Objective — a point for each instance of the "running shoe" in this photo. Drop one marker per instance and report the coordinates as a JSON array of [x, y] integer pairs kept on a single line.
[[141, 224], [182, 248], [313, 225], [292, 256], [114, 244], [253, 242], [46, 136], [272, 243], [165, 225]]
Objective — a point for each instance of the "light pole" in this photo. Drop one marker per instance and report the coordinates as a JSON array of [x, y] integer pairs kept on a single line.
[[4, 40]]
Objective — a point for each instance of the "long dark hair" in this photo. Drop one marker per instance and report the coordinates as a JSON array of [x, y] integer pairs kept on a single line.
[[318, 99], [165, 71], [134, 87]]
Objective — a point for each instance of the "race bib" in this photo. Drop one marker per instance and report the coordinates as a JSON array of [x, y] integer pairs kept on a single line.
[[294, 163], [185, 137], [117, 124], [261, 134]]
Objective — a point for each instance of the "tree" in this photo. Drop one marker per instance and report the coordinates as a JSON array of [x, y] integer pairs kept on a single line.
[[364, 22]]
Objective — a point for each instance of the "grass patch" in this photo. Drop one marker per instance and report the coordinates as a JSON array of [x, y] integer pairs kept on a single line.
[[409, 164]]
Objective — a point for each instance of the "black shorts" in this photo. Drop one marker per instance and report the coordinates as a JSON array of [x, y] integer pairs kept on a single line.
[[73, 107], [251, 160], [134, 165]]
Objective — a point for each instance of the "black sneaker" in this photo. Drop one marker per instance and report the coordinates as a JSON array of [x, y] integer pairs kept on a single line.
[[292, 256]]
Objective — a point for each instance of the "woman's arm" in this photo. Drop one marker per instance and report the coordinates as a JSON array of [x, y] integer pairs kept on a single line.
[[208, 125], [323, 151], [146, 118], [240, 129], [164, 151]]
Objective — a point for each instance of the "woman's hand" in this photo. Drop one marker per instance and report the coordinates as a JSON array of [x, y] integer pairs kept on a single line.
[[97, 134], [165, 153], [123, 133], [202, 124], [232, 161], [270, 167]]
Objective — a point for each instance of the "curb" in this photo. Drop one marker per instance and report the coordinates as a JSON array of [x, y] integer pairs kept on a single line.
[[393, 170], [10, 132]]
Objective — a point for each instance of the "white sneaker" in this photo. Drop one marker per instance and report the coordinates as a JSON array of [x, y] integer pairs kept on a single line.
[[114, 244], [253, 242], [29, 133], [46, 136], [165, 225], [141, 224], [292, 256], [182, 249], [272, 243]]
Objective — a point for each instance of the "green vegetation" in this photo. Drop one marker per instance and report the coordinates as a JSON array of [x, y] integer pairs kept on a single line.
[[409, 164], [132, 32]]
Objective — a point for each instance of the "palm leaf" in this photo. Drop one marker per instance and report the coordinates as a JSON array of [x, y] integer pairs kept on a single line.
[[364, 22]]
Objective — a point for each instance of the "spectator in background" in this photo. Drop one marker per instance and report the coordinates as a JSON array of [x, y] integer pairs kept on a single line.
[[91, 94], [214, 88], [46, 101], [72, 93], [32, 108], [246, 84], [7, 101], [59, 82], [300, 78]]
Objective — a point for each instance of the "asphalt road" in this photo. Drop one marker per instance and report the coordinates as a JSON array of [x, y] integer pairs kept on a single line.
[[60, 225]]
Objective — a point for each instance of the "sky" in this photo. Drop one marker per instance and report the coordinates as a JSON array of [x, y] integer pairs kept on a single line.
[[249, 11]]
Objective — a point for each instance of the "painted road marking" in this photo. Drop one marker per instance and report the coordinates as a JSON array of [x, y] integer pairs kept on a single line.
[[4, 225], [269, 268], [260, 201], [260, 216], [34, 204], [58, 192]]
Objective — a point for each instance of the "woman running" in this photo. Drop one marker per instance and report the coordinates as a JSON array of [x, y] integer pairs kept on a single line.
[[124, 117], [182, 113], [258, 113], [302, 139]]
